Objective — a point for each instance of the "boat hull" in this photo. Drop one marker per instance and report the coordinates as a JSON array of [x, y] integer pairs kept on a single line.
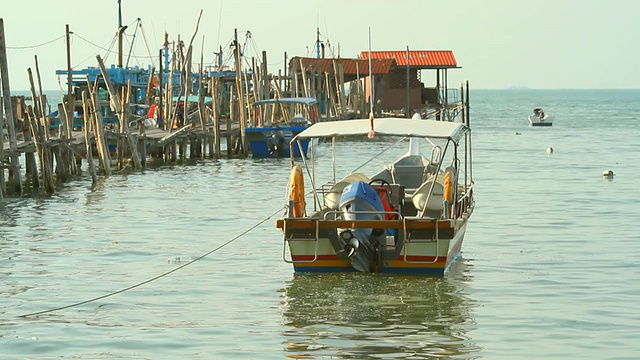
[[535, 120], [420, 257]]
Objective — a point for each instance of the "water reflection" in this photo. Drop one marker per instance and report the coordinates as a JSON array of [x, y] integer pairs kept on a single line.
[[358, 316]]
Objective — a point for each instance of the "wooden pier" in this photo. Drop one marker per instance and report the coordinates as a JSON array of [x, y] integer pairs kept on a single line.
[[45, 154], [59, 157]]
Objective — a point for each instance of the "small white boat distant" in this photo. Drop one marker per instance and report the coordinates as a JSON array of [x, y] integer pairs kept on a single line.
[[539, 118]]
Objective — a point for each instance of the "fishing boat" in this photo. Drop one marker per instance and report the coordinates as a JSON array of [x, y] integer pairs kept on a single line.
[[539, 118], [141, 90], [408, 217], [140, 82], [276, 121], [82, 79]]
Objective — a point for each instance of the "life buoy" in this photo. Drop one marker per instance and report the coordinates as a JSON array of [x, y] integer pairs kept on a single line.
[[296, 191]]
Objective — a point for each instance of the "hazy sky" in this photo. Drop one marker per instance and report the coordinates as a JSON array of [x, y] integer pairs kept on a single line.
[[545, 44]]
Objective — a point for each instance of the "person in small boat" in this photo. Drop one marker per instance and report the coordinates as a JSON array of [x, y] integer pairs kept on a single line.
[[276, 142]]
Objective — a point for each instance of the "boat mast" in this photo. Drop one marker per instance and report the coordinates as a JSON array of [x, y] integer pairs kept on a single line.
[[119, 13], [371, 95], [317, 43], [407, 114], [121, 30], [133, 39], [165, 47]]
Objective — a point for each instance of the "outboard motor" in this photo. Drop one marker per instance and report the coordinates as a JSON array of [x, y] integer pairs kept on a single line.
[[360, 201], [276, 143]]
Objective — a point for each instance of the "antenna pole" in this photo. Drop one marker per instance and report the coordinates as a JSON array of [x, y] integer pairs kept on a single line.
[[408, 114], [372, 132], [372, 97], [121, 30], [119, 13], [318, 43]]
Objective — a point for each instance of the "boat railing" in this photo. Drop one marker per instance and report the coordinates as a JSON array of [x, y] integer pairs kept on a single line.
[[463, 202]]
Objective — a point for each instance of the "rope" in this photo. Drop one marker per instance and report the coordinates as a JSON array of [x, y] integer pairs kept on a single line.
[[96, 45], [34, 46], [156, 277]]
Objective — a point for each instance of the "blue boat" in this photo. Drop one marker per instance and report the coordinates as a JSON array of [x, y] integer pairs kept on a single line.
[[138, 77], [275, 122]]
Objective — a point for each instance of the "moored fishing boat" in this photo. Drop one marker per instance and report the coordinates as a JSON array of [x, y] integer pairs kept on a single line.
[[138, 83], [83, 79], [144, 95], [409, 217], [276, 121]]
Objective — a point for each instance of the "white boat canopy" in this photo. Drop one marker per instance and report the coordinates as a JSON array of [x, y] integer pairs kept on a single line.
[[192, 99], [387, 126], [298, 100]]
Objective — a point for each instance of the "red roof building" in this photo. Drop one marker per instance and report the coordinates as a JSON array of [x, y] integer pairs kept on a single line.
[[404, 86], [422, 59], [397, 74]]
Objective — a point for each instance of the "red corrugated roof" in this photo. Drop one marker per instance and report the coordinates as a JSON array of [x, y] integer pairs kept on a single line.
[[350, 66], [417, 58]]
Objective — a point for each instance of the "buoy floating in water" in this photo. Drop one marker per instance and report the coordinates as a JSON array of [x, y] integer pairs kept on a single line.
[[608, 173], [549, 150]]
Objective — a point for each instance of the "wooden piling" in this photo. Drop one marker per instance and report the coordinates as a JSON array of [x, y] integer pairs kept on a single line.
[[40, 131], [6, 97], [20, 112], [123, 120], [3, 189], [98, 129], [304, 79], [87, 137], [231, 115], [239, 92], [70, 101], [215, 106], [60, 161]]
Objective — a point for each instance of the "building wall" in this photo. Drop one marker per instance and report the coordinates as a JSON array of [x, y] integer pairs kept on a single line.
[[396, 99]]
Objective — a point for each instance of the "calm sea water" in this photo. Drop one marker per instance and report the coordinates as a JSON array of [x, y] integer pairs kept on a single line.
[[549, 268]]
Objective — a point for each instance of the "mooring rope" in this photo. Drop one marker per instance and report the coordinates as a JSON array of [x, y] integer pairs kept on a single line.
[[35, 46], [159, 276]]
